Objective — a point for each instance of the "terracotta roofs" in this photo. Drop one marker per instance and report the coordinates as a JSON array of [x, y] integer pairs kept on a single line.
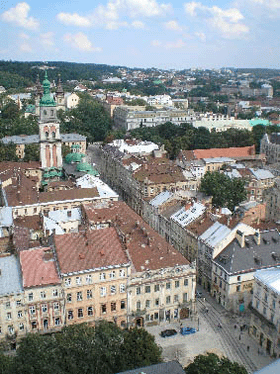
[[90, 249], [160, 172], [234, 152], [146, 248], [73, 194], [38, 267]]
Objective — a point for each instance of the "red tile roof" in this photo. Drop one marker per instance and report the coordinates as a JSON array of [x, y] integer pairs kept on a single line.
[[146, 248], [220, 152], [90, 249], [38, 267]]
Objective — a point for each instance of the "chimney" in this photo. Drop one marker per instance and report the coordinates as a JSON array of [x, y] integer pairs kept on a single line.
[[257, 237], [240, 236]]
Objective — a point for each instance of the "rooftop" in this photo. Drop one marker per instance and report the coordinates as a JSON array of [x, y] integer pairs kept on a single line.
[[10, 279], [89, 250], [147, 249], [188, 214], [38, 267], [252, 256]]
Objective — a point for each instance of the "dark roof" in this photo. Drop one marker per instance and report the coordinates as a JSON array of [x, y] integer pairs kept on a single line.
[[164, 368], [235, 259]]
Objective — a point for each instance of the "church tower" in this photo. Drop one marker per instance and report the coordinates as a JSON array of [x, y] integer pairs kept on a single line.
[[49, 133], [60, 100]]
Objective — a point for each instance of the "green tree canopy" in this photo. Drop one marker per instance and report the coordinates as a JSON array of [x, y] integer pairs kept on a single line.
[[31, 152], [213, 364], [82, 349], [226, 192]]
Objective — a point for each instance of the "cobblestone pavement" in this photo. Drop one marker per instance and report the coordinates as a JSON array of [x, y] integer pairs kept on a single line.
[[227, 340]]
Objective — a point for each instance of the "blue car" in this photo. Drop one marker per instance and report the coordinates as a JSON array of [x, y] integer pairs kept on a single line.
[[187, 330]]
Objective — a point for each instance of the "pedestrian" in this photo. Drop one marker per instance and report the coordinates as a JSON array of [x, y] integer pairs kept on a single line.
[[248, 348], [239, 336], [235, 326]]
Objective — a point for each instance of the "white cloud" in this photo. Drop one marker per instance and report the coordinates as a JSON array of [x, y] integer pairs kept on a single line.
[[156, 43], [138, 24], [47, 39], [200, 36], [169, 45], [80, 41], [111, 15], [73, 20], [22, 35], [271, 4], [227, 22], [19, 17], [25, 48], [178, 44], [173, 25]]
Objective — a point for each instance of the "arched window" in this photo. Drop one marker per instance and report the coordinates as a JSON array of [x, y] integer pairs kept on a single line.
[[47, 134], [53, 135]]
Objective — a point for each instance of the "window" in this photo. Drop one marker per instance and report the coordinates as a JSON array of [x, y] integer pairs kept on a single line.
[[265, 297], [112, 274], [147, 289], [138, 305], [79, 296], [18, 302], [9, 316], [43, 295], [122, 273], [264, 311], [88, 279], [185, 297], [67, 282], [122, 304], [19, 315], [238, 288], [80, 313], [156, 302], [57, 321], [102, 276], [8, 304], [70, 314], [138, 290], [30, 296], [102, 291], [103, 308], [176, 298], [69, 297], [221, 284], [78, 281], [148, 303], [89, 294], [238, 278], [257, 304], [113, 290], [156, 315], [21, 326], [113, 307], [44, 308], [177, 284], [122, 288], [55, 292], [34, 325], [11, 329], [32, 309], [168, 285], [56, 306], [168, 299], [90, 311], [186, 282], [273, 303], [156, 287]]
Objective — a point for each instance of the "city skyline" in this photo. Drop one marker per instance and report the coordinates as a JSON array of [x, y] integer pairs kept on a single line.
[[143, 33]]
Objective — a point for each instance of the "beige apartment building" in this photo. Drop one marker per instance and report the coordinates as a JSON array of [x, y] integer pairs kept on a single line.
[[94, 270], [43, 295], [161, 285]]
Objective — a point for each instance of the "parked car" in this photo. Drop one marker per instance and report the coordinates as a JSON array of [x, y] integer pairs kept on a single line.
[[187, 330], [198, 294], [167, 333]]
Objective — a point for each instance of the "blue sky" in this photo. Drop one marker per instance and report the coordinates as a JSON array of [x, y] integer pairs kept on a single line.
[[143, 33]]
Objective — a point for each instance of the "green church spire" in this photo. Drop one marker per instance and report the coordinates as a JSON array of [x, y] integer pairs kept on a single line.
[[47, 99]]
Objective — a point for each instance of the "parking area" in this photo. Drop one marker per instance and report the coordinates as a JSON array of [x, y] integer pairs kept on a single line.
[[217, 331]]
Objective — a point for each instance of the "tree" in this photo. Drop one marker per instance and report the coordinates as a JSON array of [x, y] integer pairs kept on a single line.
[[213, 364], [226, 192], [31, 152], [140, 349]]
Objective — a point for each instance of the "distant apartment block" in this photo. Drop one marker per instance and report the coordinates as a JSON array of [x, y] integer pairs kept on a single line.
[[270, 146]]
